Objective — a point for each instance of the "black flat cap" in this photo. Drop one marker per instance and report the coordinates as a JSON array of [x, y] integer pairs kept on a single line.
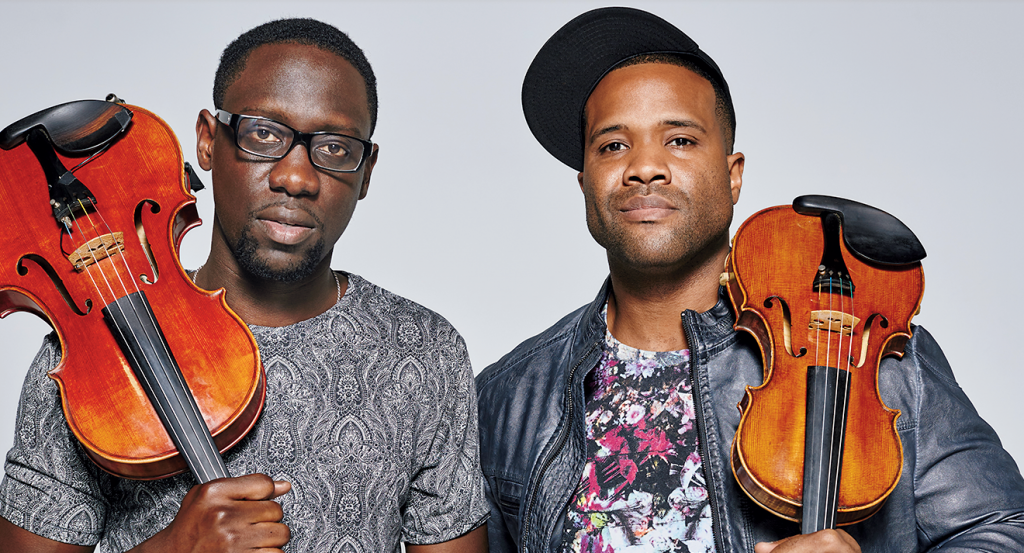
[[579, 55]]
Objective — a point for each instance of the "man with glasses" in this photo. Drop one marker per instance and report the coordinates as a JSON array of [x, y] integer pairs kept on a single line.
[[368, 436]]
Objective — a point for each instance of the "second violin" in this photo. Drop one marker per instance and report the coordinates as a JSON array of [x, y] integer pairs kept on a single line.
[[831, 297]]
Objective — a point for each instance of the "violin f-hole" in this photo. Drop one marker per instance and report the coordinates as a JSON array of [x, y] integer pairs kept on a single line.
[[140, 230], [787, 325], [58, 283]]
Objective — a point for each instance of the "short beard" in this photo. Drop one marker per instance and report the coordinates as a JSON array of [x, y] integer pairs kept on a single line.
[[660, 251], [656, 253], [245, 252]]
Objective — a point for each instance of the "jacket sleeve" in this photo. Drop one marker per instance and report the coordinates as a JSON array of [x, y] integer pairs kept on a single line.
[[969, 494], [498, 538]]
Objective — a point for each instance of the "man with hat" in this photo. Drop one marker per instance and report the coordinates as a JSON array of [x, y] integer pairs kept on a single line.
[[611, 430]]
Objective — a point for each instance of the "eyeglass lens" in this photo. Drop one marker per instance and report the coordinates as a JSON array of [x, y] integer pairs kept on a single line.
[[272, 139]]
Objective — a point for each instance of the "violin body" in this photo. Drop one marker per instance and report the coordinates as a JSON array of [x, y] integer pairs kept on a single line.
[[142, 210], [777, 254]]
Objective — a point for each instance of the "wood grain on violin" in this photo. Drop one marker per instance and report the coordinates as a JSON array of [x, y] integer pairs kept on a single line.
[[116, 254], [819, 313]]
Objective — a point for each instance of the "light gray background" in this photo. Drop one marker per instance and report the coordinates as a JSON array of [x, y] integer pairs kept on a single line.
[[913, 107]]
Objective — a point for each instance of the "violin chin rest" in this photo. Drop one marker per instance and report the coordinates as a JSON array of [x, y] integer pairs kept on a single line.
[[869, 233], [75, 129]]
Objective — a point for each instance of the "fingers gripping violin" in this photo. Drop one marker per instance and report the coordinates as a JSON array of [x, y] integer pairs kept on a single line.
[[150, 364], [831, 297]]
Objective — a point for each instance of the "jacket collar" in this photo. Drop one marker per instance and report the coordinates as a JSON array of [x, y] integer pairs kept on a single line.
[[715, 324]]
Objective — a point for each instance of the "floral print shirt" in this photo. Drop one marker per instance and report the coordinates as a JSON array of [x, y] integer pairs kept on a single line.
[[643, 485]]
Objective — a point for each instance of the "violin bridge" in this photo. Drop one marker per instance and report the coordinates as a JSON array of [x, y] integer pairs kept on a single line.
[[833, 321], [96, 250]]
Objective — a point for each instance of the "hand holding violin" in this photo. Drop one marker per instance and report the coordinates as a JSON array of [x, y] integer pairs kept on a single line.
[[824, 541], [226, 515]]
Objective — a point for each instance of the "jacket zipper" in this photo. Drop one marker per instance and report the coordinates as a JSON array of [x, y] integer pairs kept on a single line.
[[562, 437], [698, 405]]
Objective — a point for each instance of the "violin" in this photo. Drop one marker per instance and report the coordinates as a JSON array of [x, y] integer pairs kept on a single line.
[[832, 296], [156, 375]]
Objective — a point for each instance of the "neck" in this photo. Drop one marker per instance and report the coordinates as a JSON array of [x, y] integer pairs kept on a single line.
[[269, 302], [645, 306]]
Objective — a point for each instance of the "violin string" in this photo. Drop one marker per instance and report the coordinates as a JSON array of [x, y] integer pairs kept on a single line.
[[849, 375], [817, 362], [840, 399], [826, 460], [135, 310], [95, 262], [206, 464], [202, 469], [817, 334], [828, 344], [832, 490], [89, 270]]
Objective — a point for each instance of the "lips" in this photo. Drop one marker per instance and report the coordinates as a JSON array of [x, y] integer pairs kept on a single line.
[[286, 226], [647, 208]]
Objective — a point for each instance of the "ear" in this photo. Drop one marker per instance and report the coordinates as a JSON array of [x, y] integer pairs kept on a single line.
[[579, 178], [206, 129], [367, 170], [735, 162]]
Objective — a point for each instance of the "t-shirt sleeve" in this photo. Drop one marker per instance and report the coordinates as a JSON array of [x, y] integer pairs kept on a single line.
[[446, 498], [48, 486]]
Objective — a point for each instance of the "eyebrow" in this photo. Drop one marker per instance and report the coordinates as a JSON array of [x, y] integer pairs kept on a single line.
[[598, 134], [688, 123]]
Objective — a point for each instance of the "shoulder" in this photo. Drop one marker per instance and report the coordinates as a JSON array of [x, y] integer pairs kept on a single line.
[[46, 359], [370, 299], [40, 395], [921, 354], [399, 324], [925, 351], [921, 376]]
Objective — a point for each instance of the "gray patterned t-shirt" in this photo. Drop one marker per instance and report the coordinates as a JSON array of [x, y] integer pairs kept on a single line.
[[370, 414]]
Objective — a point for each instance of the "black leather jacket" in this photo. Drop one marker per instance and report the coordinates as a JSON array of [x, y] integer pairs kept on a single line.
[[959, 491]]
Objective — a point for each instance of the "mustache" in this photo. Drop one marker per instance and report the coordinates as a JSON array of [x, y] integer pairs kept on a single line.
[[646, 197], [288, 204]]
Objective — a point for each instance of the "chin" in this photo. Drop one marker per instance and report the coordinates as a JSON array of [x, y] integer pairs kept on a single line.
[[252, 260], [659, 255]]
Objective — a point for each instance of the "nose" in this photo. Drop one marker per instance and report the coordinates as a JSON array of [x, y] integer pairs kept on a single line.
[[294, 174], [647, 165]]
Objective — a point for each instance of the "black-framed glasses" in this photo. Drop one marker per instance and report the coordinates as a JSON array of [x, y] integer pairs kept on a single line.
[[267, 138]]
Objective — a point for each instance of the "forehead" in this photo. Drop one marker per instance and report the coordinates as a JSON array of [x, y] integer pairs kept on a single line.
[[655, 90], [302, 85]]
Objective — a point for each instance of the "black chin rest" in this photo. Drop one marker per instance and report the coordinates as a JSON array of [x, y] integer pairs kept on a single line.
[[869, 232], [74, 128]]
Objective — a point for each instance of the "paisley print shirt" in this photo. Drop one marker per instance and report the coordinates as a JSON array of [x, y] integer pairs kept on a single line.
[[370, 414], [643, 485]]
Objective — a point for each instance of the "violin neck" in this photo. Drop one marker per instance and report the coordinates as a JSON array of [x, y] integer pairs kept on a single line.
[[134, 326], [828, 393]]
